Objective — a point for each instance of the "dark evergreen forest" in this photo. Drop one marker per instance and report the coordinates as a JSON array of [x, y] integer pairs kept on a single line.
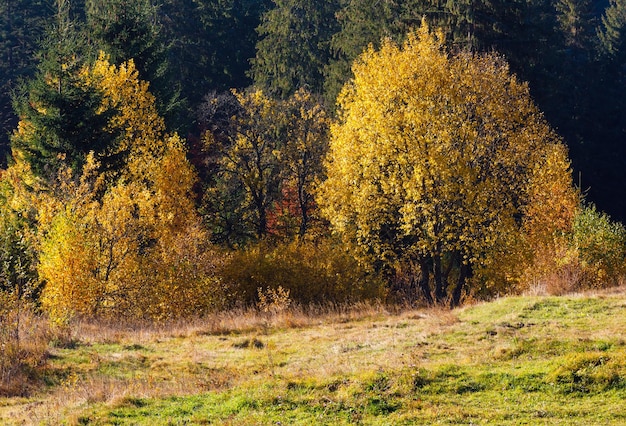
[[571, 52]]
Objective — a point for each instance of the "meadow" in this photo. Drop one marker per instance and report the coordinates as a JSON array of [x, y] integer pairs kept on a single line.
[[515, 360]]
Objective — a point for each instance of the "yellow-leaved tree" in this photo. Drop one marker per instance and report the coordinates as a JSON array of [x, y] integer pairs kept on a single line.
[[245, 166], [263, 159], [440, 166], [306, 143], [128, 243]]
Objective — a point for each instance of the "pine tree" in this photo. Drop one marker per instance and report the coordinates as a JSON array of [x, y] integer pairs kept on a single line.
[[294, 46], [22, 24], [61, 119]]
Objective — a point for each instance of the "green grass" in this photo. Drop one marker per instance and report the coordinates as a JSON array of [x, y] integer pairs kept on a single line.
[[517, 360]]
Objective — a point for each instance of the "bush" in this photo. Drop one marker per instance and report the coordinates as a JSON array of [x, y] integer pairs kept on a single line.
[[17, 256], [600, 245], [312, 273], [592, 255]]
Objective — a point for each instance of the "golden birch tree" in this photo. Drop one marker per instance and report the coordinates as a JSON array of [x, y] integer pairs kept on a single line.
[[440, 164], [128, 243]]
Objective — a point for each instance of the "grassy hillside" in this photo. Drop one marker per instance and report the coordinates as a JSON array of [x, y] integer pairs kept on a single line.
[[518, 360]]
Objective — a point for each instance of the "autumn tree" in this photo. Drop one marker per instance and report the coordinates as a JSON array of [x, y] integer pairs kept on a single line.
[[305, 145], [262, 159], [441, 163], [17, 251], [246, 164], [127, 243], [131, 29], [360, 22], [137, 252]]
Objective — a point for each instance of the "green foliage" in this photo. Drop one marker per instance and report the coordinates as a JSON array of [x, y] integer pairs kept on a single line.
[[312, 273], [361, 23], [576, 21], [611, 33], [127, 30], [17, 254], [294, 46], [61, 119], [210, 46], [22, 25], [600, 246]]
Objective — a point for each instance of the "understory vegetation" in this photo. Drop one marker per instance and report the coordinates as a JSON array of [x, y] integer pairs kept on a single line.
[[516, 360]]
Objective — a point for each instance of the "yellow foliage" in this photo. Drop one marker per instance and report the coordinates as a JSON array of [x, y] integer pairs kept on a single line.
[[303, 152], [137, 252], [248, 162], [311, 273], [130, 246], [142, 127], [438, 156]]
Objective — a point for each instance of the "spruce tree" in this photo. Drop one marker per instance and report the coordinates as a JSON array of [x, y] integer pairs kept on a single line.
[[61, 117], [294, 46], [21, 26], [612, 32]]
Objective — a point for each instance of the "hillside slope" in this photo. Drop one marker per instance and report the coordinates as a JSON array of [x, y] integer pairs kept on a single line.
[[517, 360]]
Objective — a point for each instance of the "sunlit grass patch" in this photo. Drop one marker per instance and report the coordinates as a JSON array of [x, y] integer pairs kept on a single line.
[[519, 360]]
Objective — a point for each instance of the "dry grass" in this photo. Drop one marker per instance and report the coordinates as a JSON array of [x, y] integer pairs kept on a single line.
[[115, 366], [235, 321], [24, 338]]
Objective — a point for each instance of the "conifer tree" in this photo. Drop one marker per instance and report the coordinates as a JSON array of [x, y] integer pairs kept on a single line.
[[22, 24], [613, 30], [61, 119], [294, 46]]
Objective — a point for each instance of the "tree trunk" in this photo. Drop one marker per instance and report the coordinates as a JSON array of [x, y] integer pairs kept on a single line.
[[440, 282], [262, 225], [424, 280], [465, 272], [304, 214]]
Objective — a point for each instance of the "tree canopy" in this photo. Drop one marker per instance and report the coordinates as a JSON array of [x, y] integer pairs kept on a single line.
[[147, 133], [442, 161]]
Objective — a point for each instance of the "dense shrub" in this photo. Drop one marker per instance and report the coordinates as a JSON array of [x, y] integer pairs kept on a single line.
[[600, 245], [591, 256], [313, 273], [17, 255]]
